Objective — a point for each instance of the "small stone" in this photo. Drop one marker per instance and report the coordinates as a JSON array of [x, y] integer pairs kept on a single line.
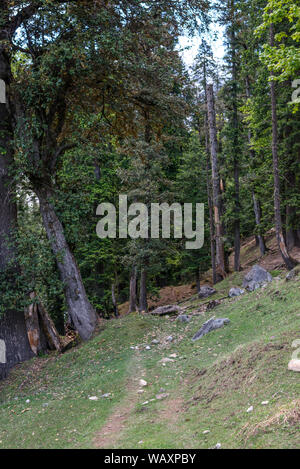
[[155, 342], [218, 446], [141, 391], [206, 432], [140, 442], [265, 403], [145, 403], [166, 360], [45, 404], [104, 396], [93, 398], [159, 397], [294, 365], [143, 383], [250, 409], [148, 347], [27, 401], [173, 355], [170, 338]]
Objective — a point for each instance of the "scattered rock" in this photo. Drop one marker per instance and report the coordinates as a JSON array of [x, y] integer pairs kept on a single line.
[[235, 292], [143, 383], [265, 403], [209, 326], [166, 360], [256, 278], [168, 309], [173, 355], [206, 291], [93, 398], [218, 446], [141, 391], [184, 318], [250, 409], [155, 342], [148, 347], [46, 404], [206, 432], [170, 338], [293, 274], [27, 401], [106, 395], [164, 395], [294, 365], [212, 305]]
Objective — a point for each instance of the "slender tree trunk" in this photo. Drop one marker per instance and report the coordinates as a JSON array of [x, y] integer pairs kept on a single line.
[[143, 306], [256, 203], [220, 263], [114, 300], [132, 292], [235, 125], [13, 334], [289, 262], [79, 307], [208, 185]]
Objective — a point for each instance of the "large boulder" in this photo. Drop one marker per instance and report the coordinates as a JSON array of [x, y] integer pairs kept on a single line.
[[206, 291], [235, 292], [256, 278], [293, 274], [209, 326], [168, 309]]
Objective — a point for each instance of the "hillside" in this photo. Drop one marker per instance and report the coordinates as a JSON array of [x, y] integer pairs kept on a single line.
[[199, 397]]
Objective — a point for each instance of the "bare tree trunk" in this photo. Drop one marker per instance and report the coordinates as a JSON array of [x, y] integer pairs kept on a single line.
[[132, 292], [220, 262], [289, 262], [79, 307], [235, 124], [208, 185], [256, 203], [143, 306], [13, 334], [114, 300]]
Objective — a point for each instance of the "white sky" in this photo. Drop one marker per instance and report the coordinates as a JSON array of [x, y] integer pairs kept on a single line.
[[193, 45]]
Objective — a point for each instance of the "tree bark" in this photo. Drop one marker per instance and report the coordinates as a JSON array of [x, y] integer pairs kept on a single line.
[[79, 307], [12, 324], [132, 292], [220, 260], [114, 300], [289, 262], [143, 306]]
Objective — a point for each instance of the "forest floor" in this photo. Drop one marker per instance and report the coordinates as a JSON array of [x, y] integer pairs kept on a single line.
[[197, 398]]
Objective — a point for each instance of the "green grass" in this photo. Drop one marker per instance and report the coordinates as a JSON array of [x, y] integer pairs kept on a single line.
[[211, 383]]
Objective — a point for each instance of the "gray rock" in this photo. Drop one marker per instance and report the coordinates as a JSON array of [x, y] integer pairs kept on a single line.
[[184, 318], [293, 274], [235, 292], [212, 305], [168, 309], [155, 342], [206, 291], [256, 278], [209, 326], [170, 338]]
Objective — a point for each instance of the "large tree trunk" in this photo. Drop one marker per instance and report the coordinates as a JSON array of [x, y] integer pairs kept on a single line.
[[79, 307], [289, 262], [132, 292], [12, 324], [220, 261], [256, 203], [143, 306]]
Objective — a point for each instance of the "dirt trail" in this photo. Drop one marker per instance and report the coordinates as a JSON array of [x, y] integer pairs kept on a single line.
[[111, 432]]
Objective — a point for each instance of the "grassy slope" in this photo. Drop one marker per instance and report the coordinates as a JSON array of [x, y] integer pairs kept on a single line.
[[211, 382]]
